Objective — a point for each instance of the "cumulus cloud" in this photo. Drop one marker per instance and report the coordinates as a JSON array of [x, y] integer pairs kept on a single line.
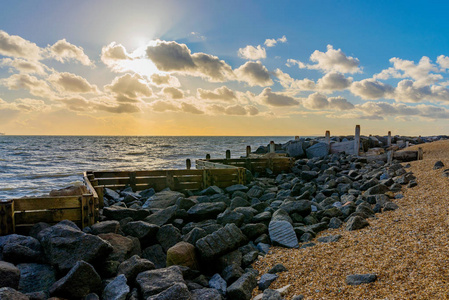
[[15, 46], [161, 106], [129, 86], [164, 79], [24, 66], [119, 108], [190, 108], [252, 53], [320, 101], [420, 72], [234, 110], [330, 82], [370, 89], [331, 60], [197, 36], [64, 51], [76, 103], [273, 42], [173, 92], [276, 99], [376, 109], [254, 73], [443, 61], [71, 83], [221, 93], [35, 86], [114, 52], [175, 57], [333, 81]]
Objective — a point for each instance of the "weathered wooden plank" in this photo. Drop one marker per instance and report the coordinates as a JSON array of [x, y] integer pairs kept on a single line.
[[47, 216], [189, 179], [114, 174], [24, 204], [7, 223]]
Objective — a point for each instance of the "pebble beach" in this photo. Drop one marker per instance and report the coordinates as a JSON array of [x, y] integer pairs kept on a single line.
[[407, 248]]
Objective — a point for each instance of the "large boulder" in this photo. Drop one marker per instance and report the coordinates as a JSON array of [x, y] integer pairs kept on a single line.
[[20, 248], [318, 150], [122, 246], [81, 280], [178, 291], [155, 281], [117, 289], [168, 236], [105, 227], [206, 210], [141, 230], [9, 275], [220, 242], [282, 234], [133, 266], [162, 199], [162, 216], [182, 254], [36, 277], [205, 294], [64, 244], [156, 255], [242, 288], [7, 293], [294, 149], [302, 207]]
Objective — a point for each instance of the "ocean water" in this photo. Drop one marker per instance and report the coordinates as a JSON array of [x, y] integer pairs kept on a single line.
[[34, 165]]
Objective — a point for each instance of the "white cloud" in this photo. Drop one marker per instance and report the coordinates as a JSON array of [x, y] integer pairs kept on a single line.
[[173, 92], [197, 36], [333, 81], [330, 82], [114, 52], [165, 79], [234, 110], [420, 72], [443, 61], [64, 51], [161, 106], [221, 93], [129, 86], [378, 109], [320, 101], [276, 99], [254, 73], [370, 89], [24, 66], [331, 60], [190, 108], [71, 83], [273, 42], [252, 53], [35, 86], [15, 46]]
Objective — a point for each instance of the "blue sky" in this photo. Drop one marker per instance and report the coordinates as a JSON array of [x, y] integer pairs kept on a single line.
[[223, 67]]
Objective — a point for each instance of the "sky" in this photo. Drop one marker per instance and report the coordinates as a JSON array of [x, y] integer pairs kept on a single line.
[[235, 68]]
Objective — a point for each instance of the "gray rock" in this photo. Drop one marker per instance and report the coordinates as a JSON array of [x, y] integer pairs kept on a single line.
[[302, 207], [253, 231], [118, 213], [156, 281], [81, 280], [335, 223], [295, 149], [105, 227], [64, 245], [202, 211], [248, 213], [242, 288], [7, 293], [281, 215], [218, 283], [438, 165], [212, 190], [307, 245], [35, 277], [178, 291], [249, 258], [221, 241], [141, 230], [357, 279], [355, 223], [133, 266], [230, 216], [122, 247], [279, 268], [185, 203], [194, 235], [20, 248], [390, 206], [266, 280], [162, 199], [117, 289], [231, 273], [263, 217], [282, 234], [318, 150], [205, 294], [156, 255], [168, 236], [239, 202], [255, 192], [9, 275], [306, 237], [377, 189], [236, 187], [164, 216], [270, 294], [232, 258], [329, 238]]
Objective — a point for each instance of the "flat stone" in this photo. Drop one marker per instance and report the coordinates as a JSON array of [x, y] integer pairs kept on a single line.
[[266, 280], [217, 282], [329, 238], [105, 227], [182, 254], [162, 199], [282, 234], [35, 277], [242, 288], [202, 211], [358, 279], [162, 217], [355, 223]]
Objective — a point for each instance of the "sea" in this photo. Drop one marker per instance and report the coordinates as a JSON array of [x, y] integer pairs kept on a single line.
[[35, 165]]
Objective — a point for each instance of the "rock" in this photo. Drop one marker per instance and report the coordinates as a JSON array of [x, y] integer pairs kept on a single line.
[[156, 255], [182, 254], [307, 245], [118, 213], [247, 212], [81, 280], [177, 291], [357, 279], [142, 230], [295, 149], [255, 192], [249, 258], [221, 241], [318, 150], [335, 223], [202, 211], [306, 237], [20, 248], [162, 199], [239, 202], [185, 203], [281, 215], [269, 294], [438, 165], [212, 190], [74, 190], [194, 235], [302, 207], [355, 223], [155, 281], [236, 187], [390, 206], [168, 236], [117, 289], [253, 231], [122, 247], [232, 258], [277, 269], [35, 277], [105, 227], [230, 216], [412, 184], [9, 275], [133, 266], [242, 288], [282, 234], [329, 238], [205, 294], [38, 227], [218, 283], [231, 273], [377, 189], [7, 293], [162, 217], [266, 280]]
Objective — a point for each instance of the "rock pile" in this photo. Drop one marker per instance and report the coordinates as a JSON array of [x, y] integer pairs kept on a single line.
[[172, 245]]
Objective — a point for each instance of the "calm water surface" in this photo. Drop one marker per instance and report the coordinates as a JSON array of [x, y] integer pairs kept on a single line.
[[34, 165]]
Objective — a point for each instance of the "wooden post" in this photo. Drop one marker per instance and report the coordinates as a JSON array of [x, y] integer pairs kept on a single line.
[[188, 164], [7, 225], [84, 211], [207, 156], [296, 138], [357, 140], [272, 147], [88, 210], [389, 139], [242, 175], [248, 151], [420, 154], [327, 137], [228, 154]]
